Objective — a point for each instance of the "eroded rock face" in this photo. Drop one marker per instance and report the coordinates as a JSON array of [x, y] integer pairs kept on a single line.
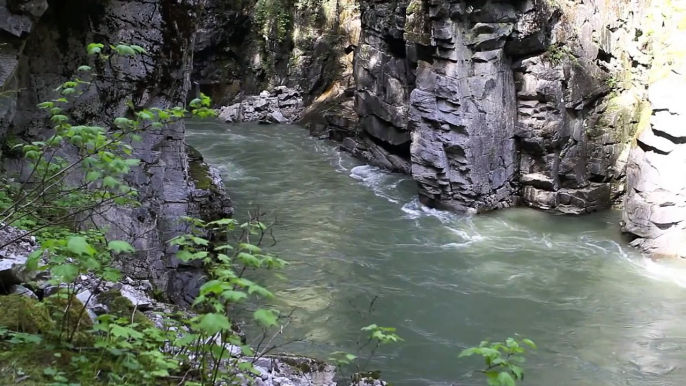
[[252, 45], [462, 110], [655, 210], [572, 135], [504, 101], [17, 20], [160, 78]]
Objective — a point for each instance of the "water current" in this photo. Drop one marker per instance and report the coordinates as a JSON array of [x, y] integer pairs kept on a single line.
[[600, 313]]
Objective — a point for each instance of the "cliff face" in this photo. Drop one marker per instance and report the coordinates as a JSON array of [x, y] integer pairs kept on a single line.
[[490, 103], [655, 211], [247, 46], [54, 47], [500, 101]]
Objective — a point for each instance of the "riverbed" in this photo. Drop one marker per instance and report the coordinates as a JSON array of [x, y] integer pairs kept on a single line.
[[353, 234]]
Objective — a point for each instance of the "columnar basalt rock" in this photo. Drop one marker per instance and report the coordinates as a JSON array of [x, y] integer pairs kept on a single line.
[[504, 100], [384, 78], [462, 111], [576, 114]]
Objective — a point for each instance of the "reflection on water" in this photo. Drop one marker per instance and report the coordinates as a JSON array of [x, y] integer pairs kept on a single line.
[[600, 314]]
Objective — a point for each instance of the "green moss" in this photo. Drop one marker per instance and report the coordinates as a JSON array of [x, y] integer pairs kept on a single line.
[[71, 315], [24, 314], [199, 172], [122, 307]]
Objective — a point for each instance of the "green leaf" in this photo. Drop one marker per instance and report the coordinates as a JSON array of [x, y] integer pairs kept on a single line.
[[266, 318], [249, 260], [65, 272], [94, 48], [124, 50], [138, 49], [234, 296], [92, 176], [111, 274], [120, 246], [213, 323], [517, 371], [59, 119], [251, 248], [212, 286], [79, 246], [529, 343], [122, 122], [109, 182], [49, 371], [199, 240], [505, 379]]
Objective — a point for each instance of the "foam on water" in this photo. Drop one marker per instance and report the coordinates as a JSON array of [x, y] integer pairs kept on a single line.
[[374, 178], [414, 210]]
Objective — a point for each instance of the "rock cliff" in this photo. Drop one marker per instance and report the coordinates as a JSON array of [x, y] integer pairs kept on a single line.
[[501, 101], [655, 210], [552, 104], [45, 43]]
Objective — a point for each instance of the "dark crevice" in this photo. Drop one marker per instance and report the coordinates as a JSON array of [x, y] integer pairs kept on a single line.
[[396, 47], [402, 150], [604, 56], [676, 140], [646, 148], [598, 178]]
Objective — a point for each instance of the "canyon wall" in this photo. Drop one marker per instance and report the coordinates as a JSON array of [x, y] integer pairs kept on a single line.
[[46, 43], [247, 46], [655, 209], [495, 103], [502, 101]]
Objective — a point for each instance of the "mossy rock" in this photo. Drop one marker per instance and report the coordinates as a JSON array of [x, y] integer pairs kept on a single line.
[[122, 307], [24, 314], [69, 313], [199, 171]]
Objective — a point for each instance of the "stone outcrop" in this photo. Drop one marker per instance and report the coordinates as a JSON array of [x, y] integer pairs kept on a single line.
[[462, 110], [281, 105], [49, 52], [500, 101]]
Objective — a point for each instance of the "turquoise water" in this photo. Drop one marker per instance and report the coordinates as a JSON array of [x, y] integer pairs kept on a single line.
[[600, 314]]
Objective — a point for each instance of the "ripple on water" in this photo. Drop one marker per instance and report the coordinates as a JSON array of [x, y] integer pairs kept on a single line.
[[446, 281]]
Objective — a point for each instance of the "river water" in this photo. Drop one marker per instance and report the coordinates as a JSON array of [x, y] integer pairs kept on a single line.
[[600, 314]]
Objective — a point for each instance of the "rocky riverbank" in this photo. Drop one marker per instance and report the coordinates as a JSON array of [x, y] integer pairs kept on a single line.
[[23, 292], [280, 105]]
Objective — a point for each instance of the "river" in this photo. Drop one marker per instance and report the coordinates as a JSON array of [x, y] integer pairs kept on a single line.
[[600, 314]]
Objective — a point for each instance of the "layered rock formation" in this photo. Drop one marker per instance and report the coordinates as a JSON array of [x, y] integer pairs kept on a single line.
[[655, 211], [487, 103], [495, 93], [54, 47]]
